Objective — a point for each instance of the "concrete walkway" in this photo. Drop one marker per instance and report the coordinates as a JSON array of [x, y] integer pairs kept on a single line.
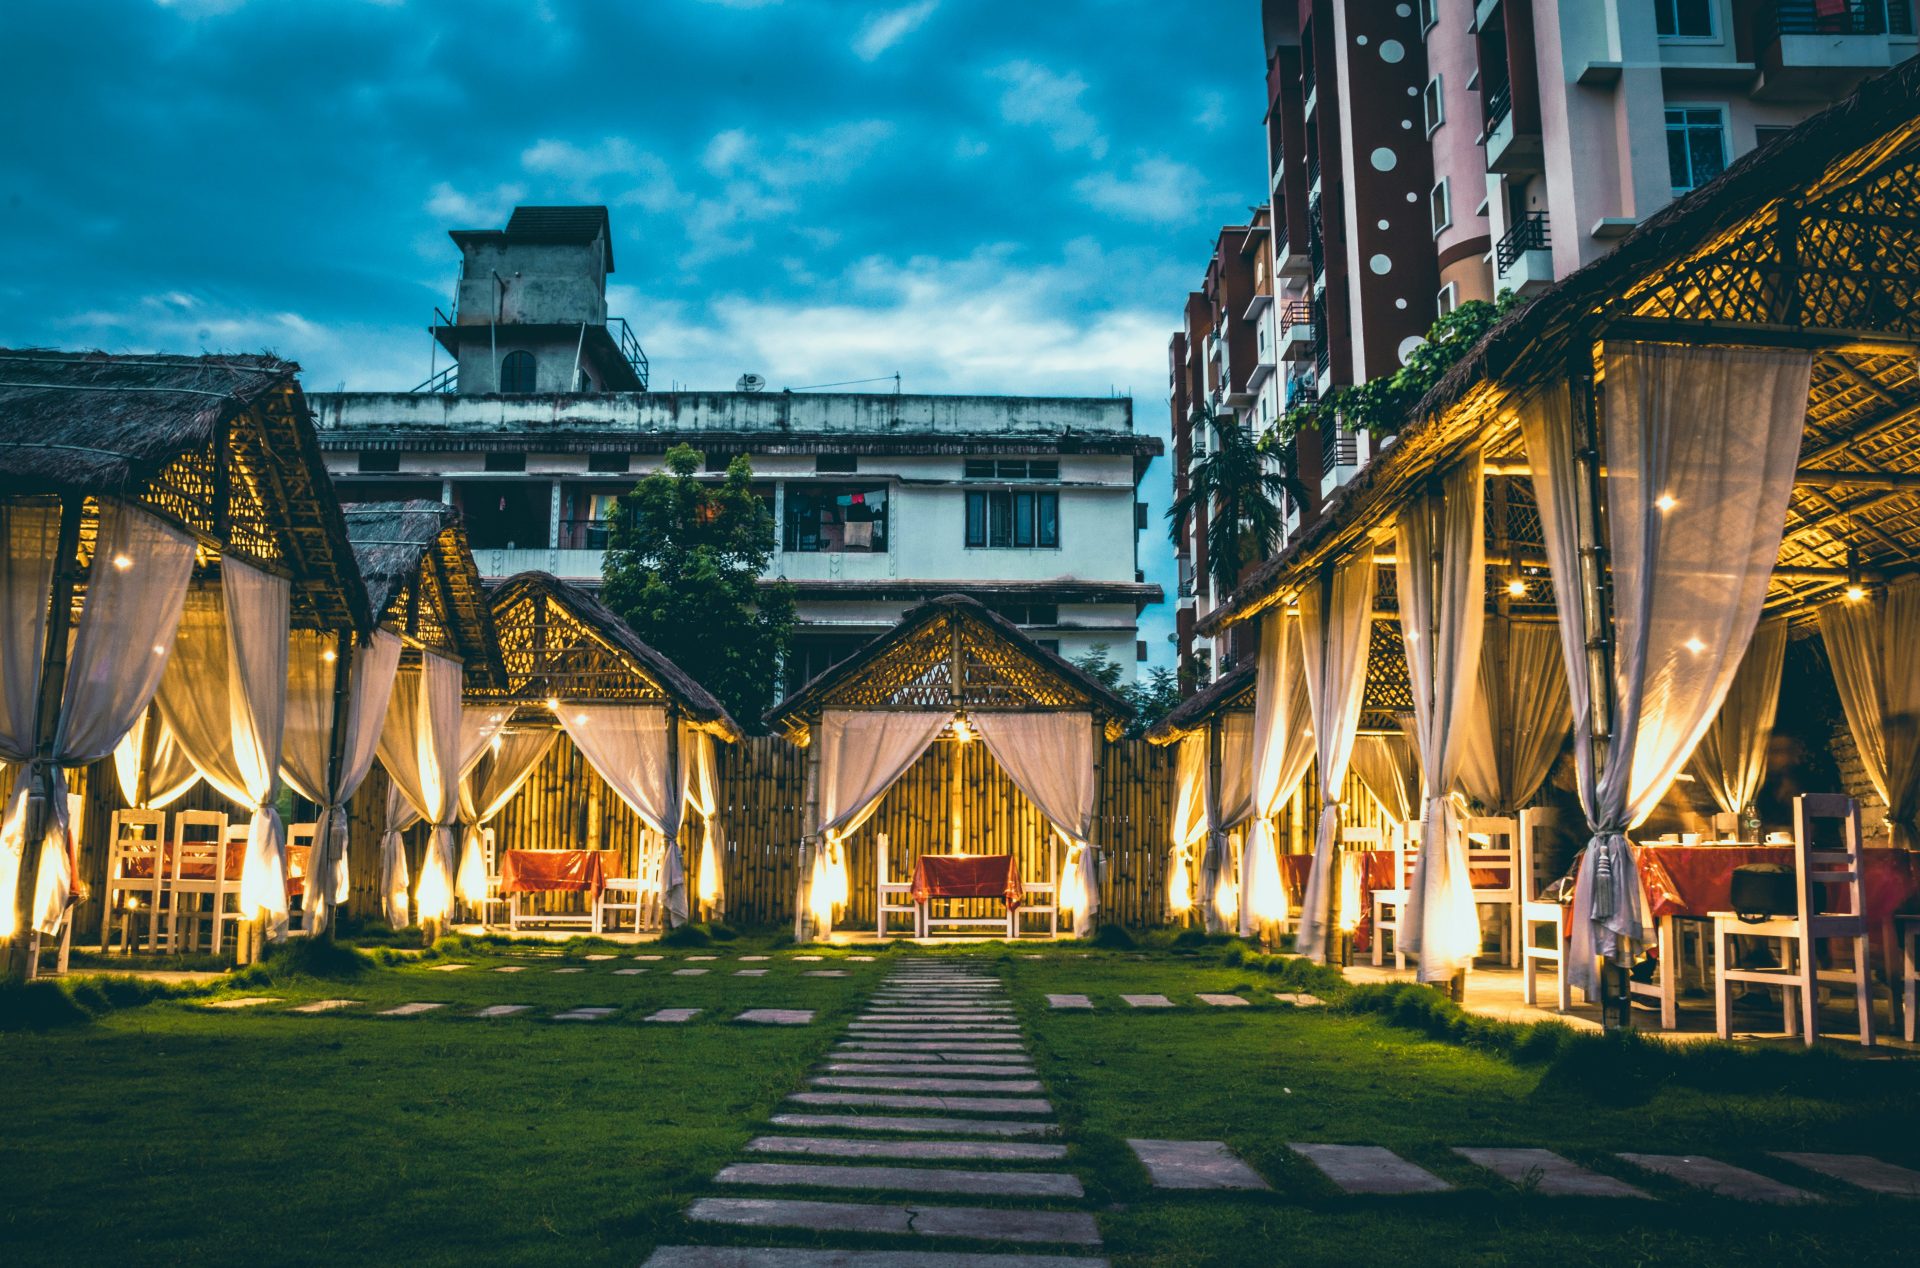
[[929, 1103]]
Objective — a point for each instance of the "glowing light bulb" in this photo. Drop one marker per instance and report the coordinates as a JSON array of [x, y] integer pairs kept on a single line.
[[1516, 587], [1856, 593], [330, 656], [579, 719], [123, 562], [553, 702], [1665, 502], [1695, 646]]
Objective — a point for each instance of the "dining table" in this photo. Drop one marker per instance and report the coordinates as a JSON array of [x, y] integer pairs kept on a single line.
[[961, 876]]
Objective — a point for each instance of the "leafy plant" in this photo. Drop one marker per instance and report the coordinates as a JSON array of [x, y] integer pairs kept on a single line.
[[683, 568], [1242, 490]]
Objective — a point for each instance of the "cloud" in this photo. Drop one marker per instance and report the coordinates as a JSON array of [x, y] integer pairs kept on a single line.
[[882, 31], [1213, 111], [1040, 97], [459, 210], [1158, 190], [580, 165]]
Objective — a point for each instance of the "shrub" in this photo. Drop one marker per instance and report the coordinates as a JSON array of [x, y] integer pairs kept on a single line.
[[1113, 938]]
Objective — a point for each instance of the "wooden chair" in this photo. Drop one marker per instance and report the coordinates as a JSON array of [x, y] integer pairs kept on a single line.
[[1049, 888], [639, 895], [136, 876], [1353, 841], [1798, 936], [197, 881], [1389, 906], [885, 888], [1909, 928], [490, 859], [299, 857], [1537, 913], [1498, 854]]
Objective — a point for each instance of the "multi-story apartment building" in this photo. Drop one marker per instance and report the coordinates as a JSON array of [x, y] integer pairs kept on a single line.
[[1027, 503], [1425, 154]]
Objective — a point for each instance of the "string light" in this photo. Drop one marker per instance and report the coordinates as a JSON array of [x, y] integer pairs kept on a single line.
[[1855, 593], [962, 730], [330, 656], [1665, 502], [1695, 646], [123, 562], [553, 702], [1516, 587]]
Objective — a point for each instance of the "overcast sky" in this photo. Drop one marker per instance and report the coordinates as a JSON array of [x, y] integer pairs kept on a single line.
[[1008, 196]]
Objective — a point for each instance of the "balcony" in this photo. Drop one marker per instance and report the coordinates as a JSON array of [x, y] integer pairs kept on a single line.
[[1342, 454], [1296, 331], [1805, 53], [1523, 259], [1301, 389], [1509, 149]]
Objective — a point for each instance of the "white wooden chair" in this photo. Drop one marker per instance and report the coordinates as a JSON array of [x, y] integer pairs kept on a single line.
[[1049, 889], [1536, 914], [1798, 936], [490, 859], [1352, 841], [299, 837], [1909, 929], [136, 876], [886, 888], [639, 896], [1498, 854], [1389, 906], [197, 881]]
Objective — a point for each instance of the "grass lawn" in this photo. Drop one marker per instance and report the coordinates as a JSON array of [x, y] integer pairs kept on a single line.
[[172, 1132]]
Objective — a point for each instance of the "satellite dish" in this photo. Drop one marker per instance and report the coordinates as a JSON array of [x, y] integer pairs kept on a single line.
[[751, 383]]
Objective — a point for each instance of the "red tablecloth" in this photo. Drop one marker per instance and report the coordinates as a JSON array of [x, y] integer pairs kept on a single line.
[[557, 871], [1697, 880], [968, 876], [142, 868]]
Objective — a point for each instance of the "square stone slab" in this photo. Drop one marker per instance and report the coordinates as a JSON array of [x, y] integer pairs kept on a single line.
[[1224, 1001], [1299, 999], [778, 1016], [1195, 1164], [809, 957], [674, 1015], [1003, 1184], [857, 1045], [891, 1123], [649, 957], [601, 956], [1722, 1179], [908, 1150], [861, 959], [1862, 1171], [692, 958], [979, 1223], [1544, 1172], [937, 1069], [511, 968], [244, 1001], [749, 972], [410, 1010], [1147, 1001], [1069, 1001], [324, 1005], [584, 1014], [574, 969], [824, 973], [787, 1257], [749, 959], [628, 972], [908, 1083], [502, 1010], [449, 968], [1370, 1169], [1001, 1060], [948, 1104], [690, 972]]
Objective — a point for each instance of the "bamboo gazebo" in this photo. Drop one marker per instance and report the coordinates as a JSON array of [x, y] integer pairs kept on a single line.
[[952, 670], [1652, 471], [133, 488]]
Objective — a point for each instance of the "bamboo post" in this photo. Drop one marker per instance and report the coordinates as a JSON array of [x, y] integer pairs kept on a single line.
[[319, 897], [809, 845]]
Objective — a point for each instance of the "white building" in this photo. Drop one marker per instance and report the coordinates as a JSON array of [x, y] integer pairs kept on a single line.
[[1029, 504]]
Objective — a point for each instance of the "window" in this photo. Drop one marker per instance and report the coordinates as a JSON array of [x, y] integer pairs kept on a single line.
[[1428, 18], [1013, 518], [608, 462], [1440, 205], [1447, 300], [1013, 469], [1140, 649], [1683, 19], [1140, 520], [516, 374], [1435, 105], [715, 460], [1048, 645], [1696, 146], [379, 462], [843, 463], [1767, 133], [506, 462], [1030, 613], [832, 518]]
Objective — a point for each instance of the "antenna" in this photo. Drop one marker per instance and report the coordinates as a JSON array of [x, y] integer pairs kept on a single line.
[[750, 383]]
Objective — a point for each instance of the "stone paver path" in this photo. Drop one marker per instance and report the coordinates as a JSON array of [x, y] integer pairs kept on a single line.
[[449, 968], [503, 1010], [1224, 1001], [1147, 1001], [1370, 1169], [511, 968], [628, 972], [410, 1010], [324, 1005], [690, 972], [584, 1014], [778, 1016], [929, 1096], [1299, 999], [1544, 1172], [749, 972], [1861, 1171], [244, 1001], [1195, 1164], [674, 1015], [1721, 1178], [574, 969]]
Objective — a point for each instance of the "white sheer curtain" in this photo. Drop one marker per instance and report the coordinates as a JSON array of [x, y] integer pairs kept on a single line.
[[421, 747], [1229, 804], [1276, 721], [135, 588], [627, 746], [1390, 768], [306, 754], [1441, 580], [1732, 757], [1520, 717], [169, 771], [1875, 650], [861, 756], [703, 794], [505, 762], [1336, 630], [1050, 758], [1700, 445], [1188, 827]]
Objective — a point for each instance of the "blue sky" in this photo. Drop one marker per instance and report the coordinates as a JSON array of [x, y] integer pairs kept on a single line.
[[984, 195]]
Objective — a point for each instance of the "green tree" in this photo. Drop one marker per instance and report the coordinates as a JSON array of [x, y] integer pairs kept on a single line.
[[1242, 490], [1150, 699], [683, 567]]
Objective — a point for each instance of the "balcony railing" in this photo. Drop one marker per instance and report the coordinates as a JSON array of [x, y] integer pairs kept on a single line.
[[630, 348], [1280, 238], [1313, 170], [1499, 104], [1296, 312], [1529, 233], [447, 380], [1855, 17], [1301, 388]]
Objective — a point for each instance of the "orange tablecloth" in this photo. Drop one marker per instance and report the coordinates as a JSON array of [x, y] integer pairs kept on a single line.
[[561, 871], [968, 876]]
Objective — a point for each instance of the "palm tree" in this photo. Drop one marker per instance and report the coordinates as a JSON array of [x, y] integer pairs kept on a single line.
[[1243, 493]]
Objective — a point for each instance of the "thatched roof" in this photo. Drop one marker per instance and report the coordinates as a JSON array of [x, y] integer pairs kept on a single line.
[[558, 640], [1808, 240], [221, 446], [1230, 693], [911, 667], [422, 581]]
